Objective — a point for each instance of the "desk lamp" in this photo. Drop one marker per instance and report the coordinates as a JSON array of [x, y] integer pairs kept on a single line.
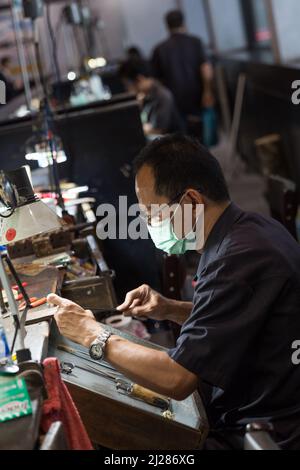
[[22, 215]]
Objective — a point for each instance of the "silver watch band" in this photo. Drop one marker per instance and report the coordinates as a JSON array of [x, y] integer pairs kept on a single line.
[[102, 339]]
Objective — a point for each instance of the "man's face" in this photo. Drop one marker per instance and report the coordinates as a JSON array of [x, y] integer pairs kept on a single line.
[[145, 189], [190, 201]]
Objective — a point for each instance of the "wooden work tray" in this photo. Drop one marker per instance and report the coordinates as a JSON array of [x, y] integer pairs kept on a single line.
[[120, 422], [95, 293]]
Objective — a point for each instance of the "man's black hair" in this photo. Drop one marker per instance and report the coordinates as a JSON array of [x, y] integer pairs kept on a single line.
[[174, 19], [132, 68], [5, 61], [133, 52], [180, 163]]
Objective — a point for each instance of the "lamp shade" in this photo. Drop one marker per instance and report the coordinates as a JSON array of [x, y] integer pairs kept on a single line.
[[28, 221], [22, 215]]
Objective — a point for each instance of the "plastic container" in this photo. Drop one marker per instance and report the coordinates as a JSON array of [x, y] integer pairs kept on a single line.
[[4, 348], [210, 127]]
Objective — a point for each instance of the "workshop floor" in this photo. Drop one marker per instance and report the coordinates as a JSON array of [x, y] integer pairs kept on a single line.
[[246, 189]]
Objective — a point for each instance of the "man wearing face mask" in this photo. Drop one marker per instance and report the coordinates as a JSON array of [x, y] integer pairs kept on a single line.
[[236, 337]]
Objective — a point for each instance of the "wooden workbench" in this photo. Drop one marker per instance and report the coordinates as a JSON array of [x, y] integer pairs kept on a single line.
[[112, 420]]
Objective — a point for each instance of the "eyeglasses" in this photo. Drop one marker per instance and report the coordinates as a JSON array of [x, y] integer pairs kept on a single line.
[[155, 218]]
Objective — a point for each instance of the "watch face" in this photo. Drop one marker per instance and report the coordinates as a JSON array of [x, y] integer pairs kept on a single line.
[[96, 352]]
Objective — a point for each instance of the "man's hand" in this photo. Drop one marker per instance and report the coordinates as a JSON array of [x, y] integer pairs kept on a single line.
[[142, 365], [208, 100], [145, 302], [74, 322]]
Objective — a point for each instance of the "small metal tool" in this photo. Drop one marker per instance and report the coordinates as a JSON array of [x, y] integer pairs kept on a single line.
[[124, 387], [66, 367], [83, 355], [143, 394]]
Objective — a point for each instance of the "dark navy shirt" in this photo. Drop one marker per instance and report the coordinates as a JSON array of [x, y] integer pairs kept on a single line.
[[176, 62], [246, 316]]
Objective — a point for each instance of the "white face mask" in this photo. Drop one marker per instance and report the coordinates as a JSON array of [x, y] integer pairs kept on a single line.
[[165, 238]]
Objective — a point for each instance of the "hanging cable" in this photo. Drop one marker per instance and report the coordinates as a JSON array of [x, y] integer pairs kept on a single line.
[[54, 44]]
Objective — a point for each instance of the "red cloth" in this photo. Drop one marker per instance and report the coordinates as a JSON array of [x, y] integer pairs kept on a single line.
[[60, 407]]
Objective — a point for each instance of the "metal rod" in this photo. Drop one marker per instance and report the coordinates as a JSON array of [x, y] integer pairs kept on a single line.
[[35, 29], [236, 122], [68, 47], [210, 26], [2, 303], [21, 55], [95, 251], [223, 97], [12, 303], [83, 355], [92, 370], [273, 28], [32, 59], [96, 371], [18, 281], [48, 120]]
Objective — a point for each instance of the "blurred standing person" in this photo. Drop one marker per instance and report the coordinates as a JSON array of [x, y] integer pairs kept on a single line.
[[181, 65]]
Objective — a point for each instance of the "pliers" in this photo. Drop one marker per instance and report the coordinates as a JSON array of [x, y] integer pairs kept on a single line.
[[34, 302]]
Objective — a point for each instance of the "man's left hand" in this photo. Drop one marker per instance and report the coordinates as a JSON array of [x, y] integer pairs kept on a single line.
[[74, 322]]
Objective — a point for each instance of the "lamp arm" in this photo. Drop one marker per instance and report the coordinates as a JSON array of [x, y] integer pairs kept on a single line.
[[12, 302]]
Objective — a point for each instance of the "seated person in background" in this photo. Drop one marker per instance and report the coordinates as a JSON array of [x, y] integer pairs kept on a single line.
[[135, 54], [5, 76], [159, 112]]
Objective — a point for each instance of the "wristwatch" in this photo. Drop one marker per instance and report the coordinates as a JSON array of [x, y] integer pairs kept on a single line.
[[98, 346]]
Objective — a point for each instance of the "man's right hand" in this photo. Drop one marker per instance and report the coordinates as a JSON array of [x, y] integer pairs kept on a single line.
[[145, 302]]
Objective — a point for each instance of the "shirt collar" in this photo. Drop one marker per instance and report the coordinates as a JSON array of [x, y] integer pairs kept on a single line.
[[221, 228]]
